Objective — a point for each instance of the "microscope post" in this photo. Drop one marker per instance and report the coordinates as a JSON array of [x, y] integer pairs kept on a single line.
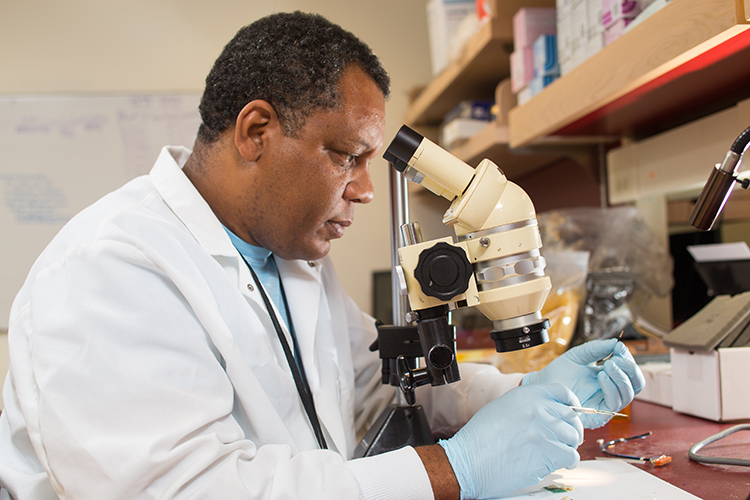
[[401, 424]]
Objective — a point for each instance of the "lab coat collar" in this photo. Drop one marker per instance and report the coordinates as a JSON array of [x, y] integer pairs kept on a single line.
[[187, 203]]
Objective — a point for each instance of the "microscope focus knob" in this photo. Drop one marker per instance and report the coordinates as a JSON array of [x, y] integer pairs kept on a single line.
[[443, 271], [441, 356]]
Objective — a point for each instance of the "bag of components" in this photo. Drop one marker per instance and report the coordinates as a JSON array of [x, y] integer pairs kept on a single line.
[[627, 265]]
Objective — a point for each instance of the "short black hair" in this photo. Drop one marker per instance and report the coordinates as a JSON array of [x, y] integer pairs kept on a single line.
[[294, 61]]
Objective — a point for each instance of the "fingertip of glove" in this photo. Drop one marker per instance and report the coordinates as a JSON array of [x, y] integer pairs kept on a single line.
[[621, 348]]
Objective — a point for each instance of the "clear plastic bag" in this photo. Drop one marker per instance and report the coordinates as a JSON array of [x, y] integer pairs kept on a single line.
[[627, 265]]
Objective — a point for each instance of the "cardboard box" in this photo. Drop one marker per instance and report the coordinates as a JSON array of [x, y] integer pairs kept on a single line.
[[711, 384], [545, 56], [565, 37], [524, 96], [594, 18], [443, 19], [614, 10], [521, 68], [460, 130], [540, 82], [615, 30], [658, 389], [529, 23]]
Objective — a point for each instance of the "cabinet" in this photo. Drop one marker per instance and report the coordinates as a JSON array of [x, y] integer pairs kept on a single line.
[[688, 60]]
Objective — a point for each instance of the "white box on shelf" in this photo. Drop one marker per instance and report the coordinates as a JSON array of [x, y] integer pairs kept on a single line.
[[711, 384], [615, 30], [460, 130], [540, 82], [579, 26], [592, 46], [443, 19], [523, 96], [563, 8], [658, 388], [521, 67], [594, 18], [613, 10], [564, 37]]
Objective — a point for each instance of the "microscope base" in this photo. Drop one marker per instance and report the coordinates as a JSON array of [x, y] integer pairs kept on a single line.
[[397, 426]]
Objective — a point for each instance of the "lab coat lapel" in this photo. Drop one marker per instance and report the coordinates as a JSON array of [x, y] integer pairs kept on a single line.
[[302, 287], [309, 311]]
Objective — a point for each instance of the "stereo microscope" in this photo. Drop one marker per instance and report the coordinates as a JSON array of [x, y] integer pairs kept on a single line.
[[493, 264]]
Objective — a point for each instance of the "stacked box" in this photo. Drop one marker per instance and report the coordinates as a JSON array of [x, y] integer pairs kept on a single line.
[[545, 56], [614, 10], [580, 31], [616, 16], [443, 19], [521, 68], [529, 24], [464, 121]]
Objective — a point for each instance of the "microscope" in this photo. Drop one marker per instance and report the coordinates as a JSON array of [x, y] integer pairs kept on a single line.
[[492, 264]]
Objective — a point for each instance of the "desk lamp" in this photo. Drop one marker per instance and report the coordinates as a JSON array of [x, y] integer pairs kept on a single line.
[[719, 185]]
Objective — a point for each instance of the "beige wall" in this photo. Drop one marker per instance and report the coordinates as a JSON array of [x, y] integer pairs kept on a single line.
[[95, 46], [86, 46]]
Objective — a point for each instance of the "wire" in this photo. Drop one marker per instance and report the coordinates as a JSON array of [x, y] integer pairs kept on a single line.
[[693, 453], [741, 142], [657, 461]]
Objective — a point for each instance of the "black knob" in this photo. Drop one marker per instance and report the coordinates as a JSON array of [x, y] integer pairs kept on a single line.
[[441, 356], [443, 271]]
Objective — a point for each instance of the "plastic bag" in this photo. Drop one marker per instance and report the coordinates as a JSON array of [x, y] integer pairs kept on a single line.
[[627, 265]]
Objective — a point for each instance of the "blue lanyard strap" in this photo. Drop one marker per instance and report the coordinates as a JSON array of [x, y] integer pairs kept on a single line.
[[300, 380]]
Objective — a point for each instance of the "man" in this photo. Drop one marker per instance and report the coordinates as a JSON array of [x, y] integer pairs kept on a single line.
[[186, 336]]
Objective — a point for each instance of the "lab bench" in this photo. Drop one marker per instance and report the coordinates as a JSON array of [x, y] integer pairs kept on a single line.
[[673, 434]]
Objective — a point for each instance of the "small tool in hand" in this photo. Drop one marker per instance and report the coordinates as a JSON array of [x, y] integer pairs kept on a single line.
[[584, 409], [600, 362]]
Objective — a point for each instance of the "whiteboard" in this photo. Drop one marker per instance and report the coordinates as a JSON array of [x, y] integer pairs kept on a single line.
[[59, 154]]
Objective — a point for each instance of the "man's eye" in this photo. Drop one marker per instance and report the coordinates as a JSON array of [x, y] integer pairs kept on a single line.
[[345, 159]]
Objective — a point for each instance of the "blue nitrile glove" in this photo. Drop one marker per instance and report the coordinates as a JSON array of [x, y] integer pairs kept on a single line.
[[516, 440], [609, 387]]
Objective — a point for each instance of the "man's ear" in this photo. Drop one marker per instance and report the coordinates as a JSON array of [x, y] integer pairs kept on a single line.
[[254, 124]]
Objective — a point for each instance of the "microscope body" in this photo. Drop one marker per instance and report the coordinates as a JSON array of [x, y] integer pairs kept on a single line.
[[492, 264], [496, 233]]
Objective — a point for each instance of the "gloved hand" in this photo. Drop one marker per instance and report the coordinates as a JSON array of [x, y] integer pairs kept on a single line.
[[609, 387], [515, 440]]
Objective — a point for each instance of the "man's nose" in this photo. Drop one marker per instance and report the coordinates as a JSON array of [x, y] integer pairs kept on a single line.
[[359, 189]]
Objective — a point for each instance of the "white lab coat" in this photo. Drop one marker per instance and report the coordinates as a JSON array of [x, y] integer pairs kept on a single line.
[[143, 365]]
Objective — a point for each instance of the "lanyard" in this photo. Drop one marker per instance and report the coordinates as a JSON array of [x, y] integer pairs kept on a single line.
[[300, 380]]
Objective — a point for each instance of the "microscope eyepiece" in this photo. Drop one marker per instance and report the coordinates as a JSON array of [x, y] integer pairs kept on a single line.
[[402, 148]]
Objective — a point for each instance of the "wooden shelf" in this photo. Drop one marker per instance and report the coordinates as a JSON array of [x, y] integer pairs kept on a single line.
[[483, 63], [492, 142], [689, 59]]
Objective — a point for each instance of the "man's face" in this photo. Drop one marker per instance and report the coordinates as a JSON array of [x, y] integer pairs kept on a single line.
[[307, 186]]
